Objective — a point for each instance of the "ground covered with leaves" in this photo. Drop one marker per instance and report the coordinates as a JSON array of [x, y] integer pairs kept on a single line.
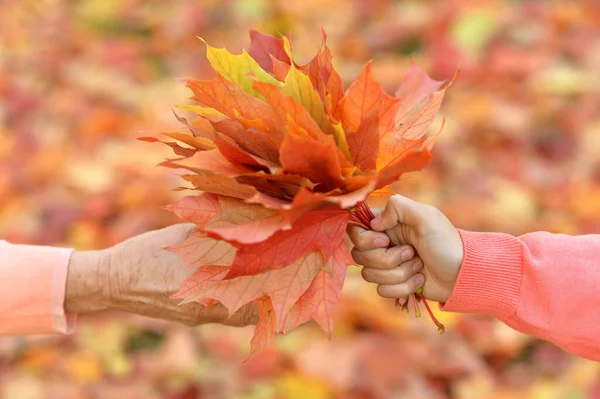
[[519, 152]]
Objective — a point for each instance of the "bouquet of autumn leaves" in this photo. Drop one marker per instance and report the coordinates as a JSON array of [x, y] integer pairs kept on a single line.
[[280, 160]]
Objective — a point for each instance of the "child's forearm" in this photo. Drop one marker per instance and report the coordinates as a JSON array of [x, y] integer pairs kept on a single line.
[[546, 285]]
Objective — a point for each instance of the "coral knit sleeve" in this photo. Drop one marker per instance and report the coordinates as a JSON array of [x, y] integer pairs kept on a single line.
[[542, 284], [32, 289]]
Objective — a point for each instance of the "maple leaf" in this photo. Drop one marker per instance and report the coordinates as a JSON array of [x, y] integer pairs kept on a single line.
[[299, 86], [231, 100], [177, 149], [280, 185], [285, 105], [266, 328], [284, 160], [362, 144], [209, 161], [251, 140], [199, 210], [200, 249], [241, 70], [320, 300], [199, 143], [212, 212], [219, 184], [265, 48], [325, 79], [280, 69], [416, 86], [414, 155], [284, 286], [317, 230], [363, 96], [237, 155], [229, 218], [303, 155]]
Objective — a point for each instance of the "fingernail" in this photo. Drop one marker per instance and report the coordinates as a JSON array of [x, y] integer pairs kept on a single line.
[[405, 256], [380, 242], [420, 280], [417, 266]]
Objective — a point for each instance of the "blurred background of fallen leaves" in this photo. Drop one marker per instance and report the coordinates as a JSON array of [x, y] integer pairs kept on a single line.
[[79, 80]]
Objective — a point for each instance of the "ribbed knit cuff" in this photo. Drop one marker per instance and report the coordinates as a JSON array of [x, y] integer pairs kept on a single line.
[[32, 289], [489, 278], [64, 323]]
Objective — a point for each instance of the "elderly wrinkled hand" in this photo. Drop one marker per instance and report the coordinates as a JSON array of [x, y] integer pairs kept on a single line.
[[139, 276]]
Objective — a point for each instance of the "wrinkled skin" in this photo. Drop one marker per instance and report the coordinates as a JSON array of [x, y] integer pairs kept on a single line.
[[139, 276]]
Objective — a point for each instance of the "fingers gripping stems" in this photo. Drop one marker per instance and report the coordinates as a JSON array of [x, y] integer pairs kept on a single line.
[[362, 216]]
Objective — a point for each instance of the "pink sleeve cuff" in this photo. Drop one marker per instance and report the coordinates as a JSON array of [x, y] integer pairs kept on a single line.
[[32, 290], [489, 278]]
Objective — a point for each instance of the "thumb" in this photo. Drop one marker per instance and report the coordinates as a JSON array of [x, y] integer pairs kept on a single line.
[[172, 235], [399, 210]]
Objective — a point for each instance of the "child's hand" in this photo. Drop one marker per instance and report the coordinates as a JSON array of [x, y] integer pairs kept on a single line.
[[400, 271]]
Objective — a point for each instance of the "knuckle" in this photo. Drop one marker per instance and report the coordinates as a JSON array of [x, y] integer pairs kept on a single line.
[[377, 276], [358, 240], [362, 242], [195, 314], [383, 291], [181, 229], [378, 259], [189, 228], [412, 285], [417, 263], [385, 277], [353, 233], [401, 274], [357, 255], [391, 291], [395, 199], [188, 322], [395, 257], [249, 315], [389, 263], [432, 211], [392, 258], [404, 290]]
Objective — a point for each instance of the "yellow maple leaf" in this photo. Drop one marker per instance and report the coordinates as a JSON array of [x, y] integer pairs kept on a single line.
[[240, 69]]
